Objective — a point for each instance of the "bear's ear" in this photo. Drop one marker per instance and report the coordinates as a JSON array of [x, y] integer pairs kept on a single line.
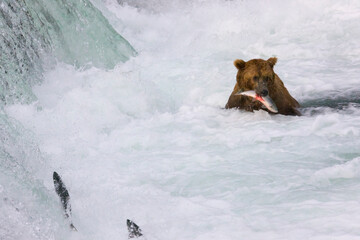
[[239, 64], [272, 61]]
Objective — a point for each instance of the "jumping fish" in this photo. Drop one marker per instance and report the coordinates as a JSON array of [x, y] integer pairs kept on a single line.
[[267, 101], [63, 193], [134, 230]]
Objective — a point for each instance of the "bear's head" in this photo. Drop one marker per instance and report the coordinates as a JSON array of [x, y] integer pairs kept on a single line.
[[256, 74]]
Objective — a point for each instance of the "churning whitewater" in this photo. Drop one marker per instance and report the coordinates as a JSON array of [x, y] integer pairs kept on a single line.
[[144, 135]]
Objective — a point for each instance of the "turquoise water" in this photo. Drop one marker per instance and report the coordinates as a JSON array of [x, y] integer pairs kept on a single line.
[[35, 34]]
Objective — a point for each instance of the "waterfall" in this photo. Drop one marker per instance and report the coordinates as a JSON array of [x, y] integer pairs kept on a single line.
[[36, 33]]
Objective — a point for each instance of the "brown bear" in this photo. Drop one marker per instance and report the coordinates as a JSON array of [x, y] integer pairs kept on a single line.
[[259, 75]]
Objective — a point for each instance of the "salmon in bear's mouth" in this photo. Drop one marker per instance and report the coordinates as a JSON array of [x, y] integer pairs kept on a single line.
[[267, 101]]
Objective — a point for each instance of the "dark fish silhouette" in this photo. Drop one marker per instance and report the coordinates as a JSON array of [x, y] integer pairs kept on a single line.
[[63, 193], [134, 230]]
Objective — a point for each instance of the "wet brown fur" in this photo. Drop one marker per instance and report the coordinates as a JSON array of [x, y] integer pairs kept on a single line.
[[258, 72]]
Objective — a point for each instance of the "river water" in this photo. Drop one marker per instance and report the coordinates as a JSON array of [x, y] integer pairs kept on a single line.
[[149, 139]]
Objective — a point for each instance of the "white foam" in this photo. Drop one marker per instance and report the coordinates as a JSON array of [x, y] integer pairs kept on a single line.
[[349, 169]]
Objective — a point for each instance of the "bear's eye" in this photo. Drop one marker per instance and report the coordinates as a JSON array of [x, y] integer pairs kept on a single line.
[[266, 79], [256, 78]]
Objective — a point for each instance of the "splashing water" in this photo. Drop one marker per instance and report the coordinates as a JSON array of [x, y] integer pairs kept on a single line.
[[149, 140]]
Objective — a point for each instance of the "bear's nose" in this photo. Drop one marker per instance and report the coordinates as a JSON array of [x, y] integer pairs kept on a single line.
[[264, 93]]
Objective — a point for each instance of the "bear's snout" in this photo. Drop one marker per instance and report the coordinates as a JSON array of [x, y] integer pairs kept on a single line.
[[262, 89], [264, 93]]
